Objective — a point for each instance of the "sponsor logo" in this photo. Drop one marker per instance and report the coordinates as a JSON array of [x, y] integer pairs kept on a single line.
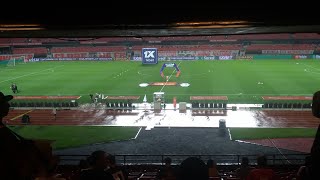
[[245, 57], [300, 57], [137, 58], [170, 65], [208, 58], [225, 57], [182, 58], [70, 59], [287, 51], [184, 84], [143, 84], [163, 83], [149, 56]]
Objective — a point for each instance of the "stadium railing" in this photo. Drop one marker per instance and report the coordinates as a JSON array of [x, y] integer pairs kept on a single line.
[[222, 159]]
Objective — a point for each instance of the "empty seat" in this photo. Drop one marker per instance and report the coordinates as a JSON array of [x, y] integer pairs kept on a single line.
[[299, 105], [224, 105], [270, 105], [275, 105], [294, 105], [201, 105]]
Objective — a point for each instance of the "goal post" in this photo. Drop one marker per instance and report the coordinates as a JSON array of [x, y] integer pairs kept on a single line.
[[11, 62], [14, 61]]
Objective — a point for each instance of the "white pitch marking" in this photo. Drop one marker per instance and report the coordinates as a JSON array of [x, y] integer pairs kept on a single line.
[[29, 74], [169, 77], [137, 133]]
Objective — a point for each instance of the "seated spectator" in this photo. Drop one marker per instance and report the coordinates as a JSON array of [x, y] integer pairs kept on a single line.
[[261, 171], [193, 168], [304, 172], [98, 162], [243, 171], [117, 172], [167, 172], [83, 164], [50, 173], [212, 168]]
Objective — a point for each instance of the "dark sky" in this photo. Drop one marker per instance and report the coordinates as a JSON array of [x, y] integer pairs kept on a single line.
[[53, 13]]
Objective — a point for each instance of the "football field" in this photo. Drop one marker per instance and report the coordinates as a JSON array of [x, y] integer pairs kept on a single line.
[[241, 81]]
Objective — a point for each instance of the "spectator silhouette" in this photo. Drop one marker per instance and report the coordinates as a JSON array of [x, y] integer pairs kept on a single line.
[[51, 174], [243, 171], [167, 172], [262, 171], [212, 168], [304, 172], [193, 168], [117, 172], [20, 158], [98, 162], [315, 150], [83, 164]]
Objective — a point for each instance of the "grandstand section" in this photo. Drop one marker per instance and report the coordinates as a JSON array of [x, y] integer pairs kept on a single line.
[[193, 102]]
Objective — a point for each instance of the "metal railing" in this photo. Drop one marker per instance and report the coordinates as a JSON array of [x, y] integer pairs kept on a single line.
[[222, 159]]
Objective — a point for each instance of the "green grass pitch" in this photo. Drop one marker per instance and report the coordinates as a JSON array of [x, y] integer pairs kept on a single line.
[[239, 80], [265, 133], [75, 136]]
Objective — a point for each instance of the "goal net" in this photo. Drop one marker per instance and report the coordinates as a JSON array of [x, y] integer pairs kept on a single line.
[[15, 61]]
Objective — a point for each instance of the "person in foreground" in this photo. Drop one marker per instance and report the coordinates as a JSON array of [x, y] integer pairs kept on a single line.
[[193, 168], [262, 171], [98, 162], [20, 158]]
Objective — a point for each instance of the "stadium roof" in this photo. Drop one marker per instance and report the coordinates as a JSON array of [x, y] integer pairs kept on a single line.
[[160, 19]]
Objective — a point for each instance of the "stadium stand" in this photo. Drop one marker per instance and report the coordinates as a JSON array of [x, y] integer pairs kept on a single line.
[[306, 36], [88, 49], [20, 41], [262, 36], [39, 50], [39, 41], [192, 48], [281, 47]]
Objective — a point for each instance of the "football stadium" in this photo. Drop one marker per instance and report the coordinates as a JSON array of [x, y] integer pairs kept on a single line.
[[220, 97]]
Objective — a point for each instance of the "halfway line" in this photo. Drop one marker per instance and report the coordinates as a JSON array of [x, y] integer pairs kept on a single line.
[[169, 77]]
